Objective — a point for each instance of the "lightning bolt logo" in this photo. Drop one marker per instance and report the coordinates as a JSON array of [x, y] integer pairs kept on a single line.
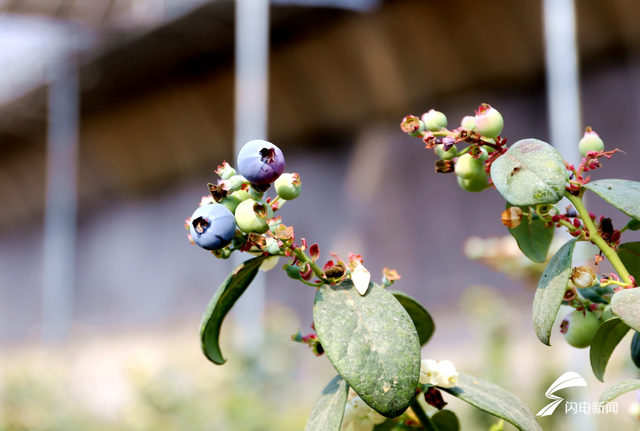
[[567, 380]]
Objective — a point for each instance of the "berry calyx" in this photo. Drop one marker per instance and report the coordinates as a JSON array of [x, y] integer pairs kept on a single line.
[[260, 162], [468, 168], [489, 121], [252, 215], [590, 142], [511, 217], [212, 226], [579, 327], [288, 186], [434, 120]]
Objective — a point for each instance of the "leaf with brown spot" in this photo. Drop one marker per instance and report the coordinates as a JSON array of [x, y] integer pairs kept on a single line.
[[371, 342]]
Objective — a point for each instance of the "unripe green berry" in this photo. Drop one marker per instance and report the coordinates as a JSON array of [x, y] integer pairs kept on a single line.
[[234, 199], [468, 168], [446, 155], [607, 313], [292, 271], [476, 184], [252, 215], [469, 122], [489, 121], [482, 154], [288, 186], [579, 327], [434, 120], [633, 224], [590, 142]]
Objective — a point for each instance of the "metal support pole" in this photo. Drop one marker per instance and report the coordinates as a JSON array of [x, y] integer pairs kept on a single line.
[[251, 92], [59, 257], [563, 91], [563, 95]]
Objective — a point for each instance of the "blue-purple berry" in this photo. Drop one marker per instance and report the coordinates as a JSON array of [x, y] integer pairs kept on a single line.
[[260, 162], [212, 226]]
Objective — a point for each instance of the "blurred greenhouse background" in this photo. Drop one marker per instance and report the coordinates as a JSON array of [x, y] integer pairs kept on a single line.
[[114, 115]]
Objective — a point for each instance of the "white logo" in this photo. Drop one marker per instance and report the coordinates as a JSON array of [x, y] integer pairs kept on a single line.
[[567, 380]]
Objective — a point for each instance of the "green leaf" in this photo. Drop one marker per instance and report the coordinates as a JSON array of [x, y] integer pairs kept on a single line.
[[387, 425], [534, 239], [629, 254], [626, 305], [446, 420], [328, 412], [594, 294], [421, 318], [618, 389], [604, 342], [551, 290], [226, 295], [496, 401], [531, 172], [622, 194], [635, 348], [371, 341]]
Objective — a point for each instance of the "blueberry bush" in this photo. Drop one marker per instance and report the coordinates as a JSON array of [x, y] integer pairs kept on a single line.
[[533, 177], [371, 335]]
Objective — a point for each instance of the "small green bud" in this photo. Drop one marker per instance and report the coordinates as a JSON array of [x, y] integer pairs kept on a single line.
[[225, 171], [489, 121], [468, 168], [590, 142], [579, 327], [434, 120]]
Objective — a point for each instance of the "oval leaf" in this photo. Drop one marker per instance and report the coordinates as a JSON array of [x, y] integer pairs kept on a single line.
[[328, 412], [371, 341], [534, 239], [421, 318], [531, 172], [622, 194], [496, 401], [618, 389], [626, 305], [629, 254], [446, 420], [226, 295], [551, 290], [604, 342], [635, 349]]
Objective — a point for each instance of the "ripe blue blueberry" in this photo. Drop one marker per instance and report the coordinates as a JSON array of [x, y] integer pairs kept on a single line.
[[212, 226], [260, 162]]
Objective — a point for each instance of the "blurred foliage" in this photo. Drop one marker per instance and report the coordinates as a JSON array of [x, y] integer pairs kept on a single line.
[[162, 384]]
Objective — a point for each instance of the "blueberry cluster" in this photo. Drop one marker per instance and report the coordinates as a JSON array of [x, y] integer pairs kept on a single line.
[[237, 215], [471, 164]]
